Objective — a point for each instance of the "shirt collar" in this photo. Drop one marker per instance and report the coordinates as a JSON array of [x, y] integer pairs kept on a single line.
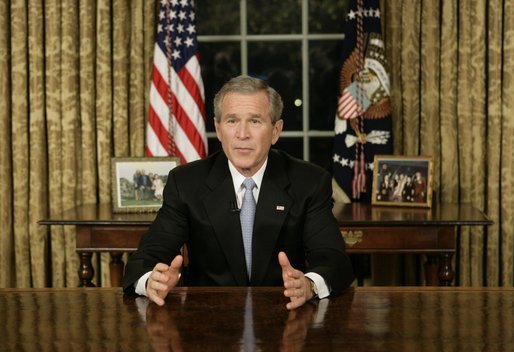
[[238, 179]]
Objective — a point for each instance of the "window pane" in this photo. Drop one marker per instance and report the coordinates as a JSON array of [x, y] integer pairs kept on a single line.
[[280, 64], [327, 16], [321, 151], [220, 61], [217, 18], [293, 146], [324, 57], [274, 16]]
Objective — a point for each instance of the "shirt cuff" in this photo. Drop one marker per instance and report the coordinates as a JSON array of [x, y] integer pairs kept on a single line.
[[321, 285], [140, 284]]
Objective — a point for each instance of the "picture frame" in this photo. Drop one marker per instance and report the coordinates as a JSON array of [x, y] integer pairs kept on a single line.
[[402, 180], [138, 182]]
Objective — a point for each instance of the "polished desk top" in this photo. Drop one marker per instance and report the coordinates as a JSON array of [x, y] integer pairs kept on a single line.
[[441, 214], [352, 214], [234, 319], [98, 214]]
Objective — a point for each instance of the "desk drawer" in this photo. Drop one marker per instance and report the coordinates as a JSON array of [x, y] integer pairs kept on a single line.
[[398, 239], [109, 238]]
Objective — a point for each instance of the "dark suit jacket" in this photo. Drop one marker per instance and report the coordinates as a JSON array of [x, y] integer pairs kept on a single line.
[[294, 215]]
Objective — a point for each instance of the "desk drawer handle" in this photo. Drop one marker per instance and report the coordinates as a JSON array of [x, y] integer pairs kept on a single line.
[[351, 238]]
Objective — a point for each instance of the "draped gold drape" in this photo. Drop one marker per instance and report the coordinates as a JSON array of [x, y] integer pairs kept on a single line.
[[453, 97], [74, 84], [74, 92]]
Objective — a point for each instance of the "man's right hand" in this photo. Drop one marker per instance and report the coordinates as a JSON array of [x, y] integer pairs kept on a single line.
[[162, 279]]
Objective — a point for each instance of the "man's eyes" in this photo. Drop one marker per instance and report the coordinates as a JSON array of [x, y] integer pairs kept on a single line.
[[252, 121]]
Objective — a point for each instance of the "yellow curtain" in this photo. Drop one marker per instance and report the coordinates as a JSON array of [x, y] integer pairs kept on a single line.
[[74, 81], [453, 98], [74, 92]]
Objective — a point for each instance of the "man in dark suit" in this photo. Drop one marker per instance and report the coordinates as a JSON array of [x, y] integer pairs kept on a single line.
[[294, 230]]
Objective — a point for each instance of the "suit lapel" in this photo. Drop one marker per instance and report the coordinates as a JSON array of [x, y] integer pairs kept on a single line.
[[272, 209], [226, 222]]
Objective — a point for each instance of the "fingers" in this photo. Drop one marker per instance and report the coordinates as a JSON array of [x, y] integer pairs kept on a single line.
[[176, 264], [296, 286], [159, 272], [298, 293], [296, 296], [156, 290], [287, 269], [154, 296], [283, 260], [162, 279], [295, 304], [288, 272], [153, 292]]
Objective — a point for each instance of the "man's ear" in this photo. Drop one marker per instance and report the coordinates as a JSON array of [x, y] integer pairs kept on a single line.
[[216, 128], [277, 130]]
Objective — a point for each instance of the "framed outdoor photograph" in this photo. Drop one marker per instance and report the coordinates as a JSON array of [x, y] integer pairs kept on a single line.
[[402, 181], [138, 183]]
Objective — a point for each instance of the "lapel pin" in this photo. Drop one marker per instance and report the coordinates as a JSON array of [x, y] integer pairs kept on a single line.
[[280, 207]]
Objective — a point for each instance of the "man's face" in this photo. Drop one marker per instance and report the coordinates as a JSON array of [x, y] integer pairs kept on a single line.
[[245, 130]]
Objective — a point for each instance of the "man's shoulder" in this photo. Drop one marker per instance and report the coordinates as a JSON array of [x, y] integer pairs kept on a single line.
[[295, 165], [300, 177], [198, 165]]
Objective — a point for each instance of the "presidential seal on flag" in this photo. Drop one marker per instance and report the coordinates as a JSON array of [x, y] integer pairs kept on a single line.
[[365, 89], [363, 123]]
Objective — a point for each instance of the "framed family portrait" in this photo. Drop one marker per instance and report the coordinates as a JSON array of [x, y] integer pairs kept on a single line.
[[138, 183], [402, 180]]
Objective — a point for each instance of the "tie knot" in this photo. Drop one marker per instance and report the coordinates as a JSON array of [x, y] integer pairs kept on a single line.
[[249, 183]]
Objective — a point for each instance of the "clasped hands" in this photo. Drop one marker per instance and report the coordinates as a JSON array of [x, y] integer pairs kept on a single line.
[[164, 277]]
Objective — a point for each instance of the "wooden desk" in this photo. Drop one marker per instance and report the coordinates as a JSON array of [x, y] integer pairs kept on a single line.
[[98, 229], [366, 229], [235, 319], [377, 229]]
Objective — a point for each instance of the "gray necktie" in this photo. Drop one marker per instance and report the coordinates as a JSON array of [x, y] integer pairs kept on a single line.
[[246, 217]]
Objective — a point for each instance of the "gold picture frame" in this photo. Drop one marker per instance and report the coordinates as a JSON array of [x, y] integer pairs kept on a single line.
[[138, 183], [402, 180]]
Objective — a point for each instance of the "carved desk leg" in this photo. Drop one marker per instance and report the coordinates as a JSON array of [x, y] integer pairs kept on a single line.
[[116, 268], [431, 270], [86, 271], [438, 270], [446, 274]]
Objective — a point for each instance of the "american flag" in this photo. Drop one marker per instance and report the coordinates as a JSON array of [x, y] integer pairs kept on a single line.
[[176, 121]]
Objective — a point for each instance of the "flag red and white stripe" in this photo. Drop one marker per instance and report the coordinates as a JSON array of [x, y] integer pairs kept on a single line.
[[176, 121], [348, 107]]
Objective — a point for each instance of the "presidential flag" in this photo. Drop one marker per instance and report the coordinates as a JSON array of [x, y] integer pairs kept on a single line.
[[363, 123], [176, 121]]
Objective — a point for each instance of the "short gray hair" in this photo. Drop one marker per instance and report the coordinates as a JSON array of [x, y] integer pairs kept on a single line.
[[247, 85]]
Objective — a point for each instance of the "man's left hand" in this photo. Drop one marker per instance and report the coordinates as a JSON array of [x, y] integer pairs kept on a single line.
[[297, 286]]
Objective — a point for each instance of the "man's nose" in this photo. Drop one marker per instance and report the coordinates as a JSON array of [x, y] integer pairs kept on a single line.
[[242, 129]]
